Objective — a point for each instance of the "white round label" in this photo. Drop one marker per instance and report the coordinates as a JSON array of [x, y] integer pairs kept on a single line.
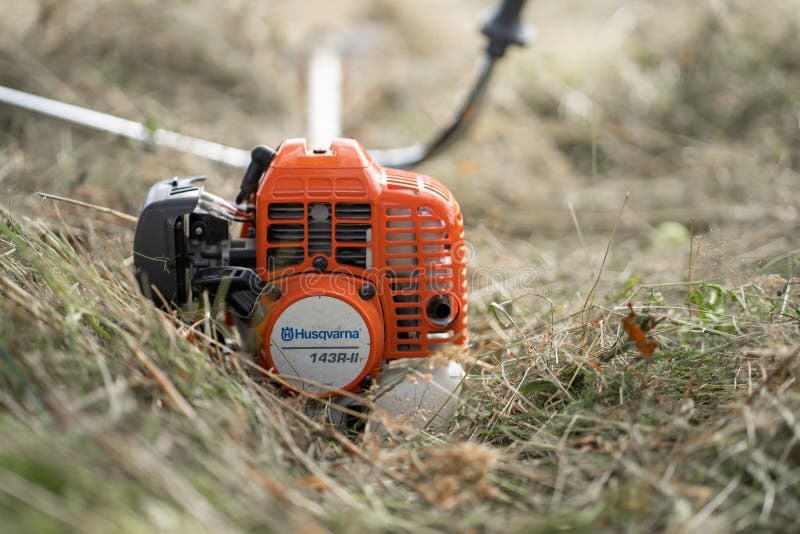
[[323, 341]]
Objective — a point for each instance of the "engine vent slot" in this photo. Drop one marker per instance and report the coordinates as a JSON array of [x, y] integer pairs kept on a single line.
[[286, 210], [281, 257], [403, 181], [406, 273], [319, 228], [350, 210], [408, 335], [286, 233], [355, 256], [353, 233], [404, 286]]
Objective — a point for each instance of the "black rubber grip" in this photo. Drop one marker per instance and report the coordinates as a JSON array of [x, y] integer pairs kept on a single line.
[[509, 11], [260, 158]]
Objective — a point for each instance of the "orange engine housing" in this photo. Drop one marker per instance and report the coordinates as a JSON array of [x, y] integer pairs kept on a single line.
[[370, 262]]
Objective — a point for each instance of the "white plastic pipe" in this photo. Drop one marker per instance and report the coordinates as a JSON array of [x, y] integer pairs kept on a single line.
[[324, 98]]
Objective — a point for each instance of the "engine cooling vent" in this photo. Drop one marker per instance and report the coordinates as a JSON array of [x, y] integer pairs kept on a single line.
[[352, 239], [283, 234], [418, 253], [280, 236], [286, 233], [349, 210], [282, 257], [286, 210], [353, 233], [313, 233], [355, 256]]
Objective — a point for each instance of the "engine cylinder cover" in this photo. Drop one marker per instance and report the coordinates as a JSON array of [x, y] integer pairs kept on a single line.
[[323, 336]]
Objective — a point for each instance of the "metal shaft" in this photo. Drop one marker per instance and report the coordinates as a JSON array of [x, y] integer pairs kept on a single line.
[[126, 128]]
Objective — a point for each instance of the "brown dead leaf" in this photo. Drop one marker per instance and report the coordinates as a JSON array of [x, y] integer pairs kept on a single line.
[[645, 344]]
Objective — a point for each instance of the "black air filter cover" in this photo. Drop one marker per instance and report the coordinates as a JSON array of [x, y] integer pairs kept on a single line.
[[159, 245]]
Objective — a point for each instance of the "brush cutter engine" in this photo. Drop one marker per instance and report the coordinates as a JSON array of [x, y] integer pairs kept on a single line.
[[337, 265]]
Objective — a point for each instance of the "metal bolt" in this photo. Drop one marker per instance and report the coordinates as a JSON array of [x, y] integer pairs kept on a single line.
[[367, 291], [366, 382], [320, 263], [272, 292], [198, 231], [320, 212]]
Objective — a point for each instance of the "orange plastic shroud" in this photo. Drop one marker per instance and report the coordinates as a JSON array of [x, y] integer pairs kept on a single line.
[[329, 222]]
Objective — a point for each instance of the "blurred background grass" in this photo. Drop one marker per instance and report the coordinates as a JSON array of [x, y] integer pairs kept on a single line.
[[692, 108]]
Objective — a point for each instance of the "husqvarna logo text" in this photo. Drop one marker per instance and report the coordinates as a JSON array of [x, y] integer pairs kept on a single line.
[[288, 334]]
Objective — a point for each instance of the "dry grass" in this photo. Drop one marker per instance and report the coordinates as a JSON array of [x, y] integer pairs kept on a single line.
[[115, 417]]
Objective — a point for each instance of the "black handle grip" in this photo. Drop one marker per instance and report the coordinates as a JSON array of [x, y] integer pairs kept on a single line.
[[504, 28], [260, 158], [509, 11]]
